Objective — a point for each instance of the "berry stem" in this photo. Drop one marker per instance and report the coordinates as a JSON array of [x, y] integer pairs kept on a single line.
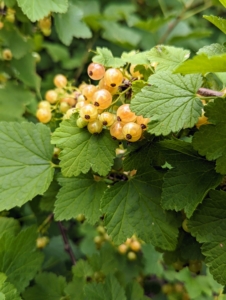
[[209, 93], [45, 223], [116, 100], [67, 246]]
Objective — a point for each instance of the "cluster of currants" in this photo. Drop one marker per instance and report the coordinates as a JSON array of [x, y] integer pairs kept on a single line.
[[130, 247], [99, 107]]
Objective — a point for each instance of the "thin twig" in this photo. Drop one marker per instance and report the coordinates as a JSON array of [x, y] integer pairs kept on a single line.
[[67, 246], [209, 93]]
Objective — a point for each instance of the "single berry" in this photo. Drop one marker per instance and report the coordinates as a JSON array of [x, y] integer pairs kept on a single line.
[[116, 130], [125, 115], [88, 112], [95, 126], [95, 71], [107, 118], [51, 96], [102, 99], [132, 132], [43, 115], [60, 81], [113, 77]]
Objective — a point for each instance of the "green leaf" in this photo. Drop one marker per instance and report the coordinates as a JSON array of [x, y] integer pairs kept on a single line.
[[153, 24], [170, 102], [17, 257], [210, 140], [141, 155], [13, 101], [48, 286], [25, 159], [119, 11], [223, 2], [190, 173], [82, 150], [109, 290], [9, 292], [9, 225], [57, 52], [120, 35], [167, 57], [10, 3], [135, 58], [105, 57], [217, 21], [208, 225], [203, 64], [25, 70], [70, 25], [134, 291], [36, 10], [153, 259], [213, 49], [133, 206], [18, 44], [49, 197], [79, 195], [137, 86]]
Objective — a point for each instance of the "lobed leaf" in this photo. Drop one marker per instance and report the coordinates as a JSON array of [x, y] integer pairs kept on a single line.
[[210, 140], [36, 10], [167, 57], [190, 173], [83, 151], [170, 102], [218, 22], [70, 25], [105, 57], [203, 64], [133, 206], [79, 195], [208, 225], [25, 160], [17, 257]]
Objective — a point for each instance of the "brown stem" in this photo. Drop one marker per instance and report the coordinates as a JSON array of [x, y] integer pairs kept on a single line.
[[67, 246], [208, 93]]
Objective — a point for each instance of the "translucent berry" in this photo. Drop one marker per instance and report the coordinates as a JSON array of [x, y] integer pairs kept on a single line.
[[116, 130], [95, 126], [43, 115], [203, 120], [135, 246], [89, 112], [51, 96], [125, 115], [60, 81], [70, 100], [131, 255], [102, 99], [122, 248], [88, 91], [185, 225], [7, 54], [80, 104], [142, 122], [113, 77], [64, 107], [195, 266], [69, 113], [42, 242], [106, 118], [44, 104], [132, 132], [95, 71], [103, 85], [81, 123]]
